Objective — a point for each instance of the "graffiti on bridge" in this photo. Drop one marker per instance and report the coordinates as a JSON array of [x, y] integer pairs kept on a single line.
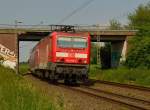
[[7, 57]]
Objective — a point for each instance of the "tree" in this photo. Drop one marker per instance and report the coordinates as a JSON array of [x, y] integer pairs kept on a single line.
[[141, 17], [93, 53], [114, 24], [139, 54]]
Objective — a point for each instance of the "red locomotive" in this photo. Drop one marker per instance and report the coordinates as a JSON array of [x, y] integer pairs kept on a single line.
[[62, 56]]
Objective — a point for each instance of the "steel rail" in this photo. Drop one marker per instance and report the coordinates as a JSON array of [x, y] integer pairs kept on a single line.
[[129, 105], [126, 99], [142, 88], [89, 91]]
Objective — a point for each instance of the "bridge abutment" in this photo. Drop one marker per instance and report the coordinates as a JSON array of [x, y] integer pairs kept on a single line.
[[118, 53]]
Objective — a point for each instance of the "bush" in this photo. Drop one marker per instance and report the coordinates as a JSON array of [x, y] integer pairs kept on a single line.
[[139, 56]]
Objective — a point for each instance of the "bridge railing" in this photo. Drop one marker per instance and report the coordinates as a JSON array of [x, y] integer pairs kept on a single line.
[[101, 28], [64, 27]]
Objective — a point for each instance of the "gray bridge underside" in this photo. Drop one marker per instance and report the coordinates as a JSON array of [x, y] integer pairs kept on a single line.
[[36, 36]]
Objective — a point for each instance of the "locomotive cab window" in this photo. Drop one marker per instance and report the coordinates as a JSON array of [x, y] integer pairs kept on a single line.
[[72, 42]]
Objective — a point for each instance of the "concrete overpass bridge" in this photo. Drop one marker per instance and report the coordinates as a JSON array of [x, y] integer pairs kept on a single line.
[[10, 37]]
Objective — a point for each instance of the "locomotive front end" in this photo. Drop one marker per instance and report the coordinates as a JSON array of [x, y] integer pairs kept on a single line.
[[73, 55]]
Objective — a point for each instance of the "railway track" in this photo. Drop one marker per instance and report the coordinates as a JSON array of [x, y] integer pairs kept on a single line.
[[121, 85], [133, 103], [123, 100]]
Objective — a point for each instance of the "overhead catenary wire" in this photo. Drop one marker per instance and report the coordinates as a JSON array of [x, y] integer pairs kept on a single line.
[[86, 3]]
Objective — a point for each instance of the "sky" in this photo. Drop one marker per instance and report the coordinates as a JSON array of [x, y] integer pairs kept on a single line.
[[53, 11]]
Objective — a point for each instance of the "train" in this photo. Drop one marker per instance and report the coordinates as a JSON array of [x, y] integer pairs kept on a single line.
[[62, 56]]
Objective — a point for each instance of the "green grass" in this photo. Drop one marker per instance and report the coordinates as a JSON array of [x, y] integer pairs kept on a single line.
[[122, 75], [23, 68], [18, 94]]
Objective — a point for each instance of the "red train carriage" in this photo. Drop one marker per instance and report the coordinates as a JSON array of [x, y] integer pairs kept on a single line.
[[62, 56]]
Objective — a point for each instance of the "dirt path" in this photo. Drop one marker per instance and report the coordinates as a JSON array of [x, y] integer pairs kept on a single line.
[[71, 100]]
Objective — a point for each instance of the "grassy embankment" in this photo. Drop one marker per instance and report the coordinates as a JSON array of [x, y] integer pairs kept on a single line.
[[18, 94], [122, 75]]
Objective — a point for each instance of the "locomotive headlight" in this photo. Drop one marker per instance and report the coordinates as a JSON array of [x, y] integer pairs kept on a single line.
[[60, 60], [84, 61]]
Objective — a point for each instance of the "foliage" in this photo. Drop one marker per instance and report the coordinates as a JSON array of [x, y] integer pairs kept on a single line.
[[17, 94], [23, 68], [139, 54], [105, 52], [141, 16], [93, 53], [114, 24], [122, 75]]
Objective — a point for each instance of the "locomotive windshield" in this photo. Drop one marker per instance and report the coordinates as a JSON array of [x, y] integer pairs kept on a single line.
[[72, 42]]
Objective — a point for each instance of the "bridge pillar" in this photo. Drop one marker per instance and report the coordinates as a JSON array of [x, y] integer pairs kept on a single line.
[[8, 49], [118, 53]]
